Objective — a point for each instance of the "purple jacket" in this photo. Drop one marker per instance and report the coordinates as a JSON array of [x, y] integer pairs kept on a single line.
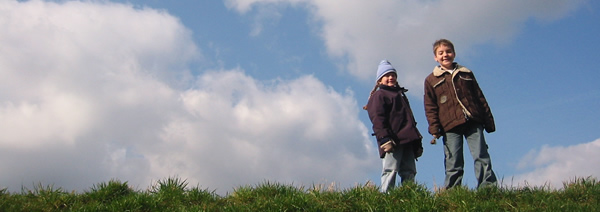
[[392, 117]]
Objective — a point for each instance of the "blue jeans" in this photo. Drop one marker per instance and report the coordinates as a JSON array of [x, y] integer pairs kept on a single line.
[[454, 160], [401, 161]]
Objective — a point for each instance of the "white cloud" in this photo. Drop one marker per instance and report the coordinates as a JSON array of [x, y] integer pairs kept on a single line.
[[95, 91], [288, 131], [365, 32], [553, 166]]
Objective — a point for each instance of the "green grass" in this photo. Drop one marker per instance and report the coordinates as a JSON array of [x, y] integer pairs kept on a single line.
[[174, 194]]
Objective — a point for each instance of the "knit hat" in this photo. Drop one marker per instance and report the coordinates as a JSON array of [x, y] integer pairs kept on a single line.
[[384, 68]]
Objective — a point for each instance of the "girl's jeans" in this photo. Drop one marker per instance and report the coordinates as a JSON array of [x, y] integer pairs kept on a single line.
[[402, 162], [454, 160]]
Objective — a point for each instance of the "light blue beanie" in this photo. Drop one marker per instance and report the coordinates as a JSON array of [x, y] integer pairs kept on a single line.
[[384, 68]]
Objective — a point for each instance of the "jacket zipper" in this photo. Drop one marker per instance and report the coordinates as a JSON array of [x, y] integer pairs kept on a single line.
[[464, 109]]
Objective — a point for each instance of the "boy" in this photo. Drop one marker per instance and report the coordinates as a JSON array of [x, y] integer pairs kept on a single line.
[[395, 128], [455, 108]]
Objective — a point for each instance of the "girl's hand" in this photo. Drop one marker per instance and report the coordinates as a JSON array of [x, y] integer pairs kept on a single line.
[[388, 146]]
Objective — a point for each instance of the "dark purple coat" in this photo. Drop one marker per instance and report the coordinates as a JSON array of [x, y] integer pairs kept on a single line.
[[392, 117]]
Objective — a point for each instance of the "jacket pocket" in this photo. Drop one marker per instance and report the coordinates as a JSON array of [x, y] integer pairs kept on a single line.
[[466, 78], [439, 83]]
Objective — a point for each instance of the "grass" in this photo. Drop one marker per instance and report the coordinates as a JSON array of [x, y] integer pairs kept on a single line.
[[174, 194]]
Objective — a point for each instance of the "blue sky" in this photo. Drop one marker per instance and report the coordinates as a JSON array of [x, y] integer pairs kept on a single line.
[[237, 92]]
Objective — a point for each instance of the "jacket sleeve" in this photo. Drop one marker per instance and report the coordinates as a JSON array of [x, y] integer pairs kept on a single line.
[[488, 118], [431, 109], [379, 115]]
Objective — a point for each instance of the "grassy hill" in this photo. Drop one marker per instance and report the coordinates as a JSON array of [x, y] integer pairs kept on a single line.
[[173, 194]]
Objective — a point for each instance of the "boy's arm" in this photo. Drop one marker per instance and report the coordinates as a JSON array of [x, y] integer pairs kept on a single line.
[[488, 124], [432, 110]]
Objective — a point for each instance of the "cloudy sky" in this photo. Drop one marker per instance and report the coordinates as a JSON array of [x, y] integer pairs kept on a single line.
[[238, 92]]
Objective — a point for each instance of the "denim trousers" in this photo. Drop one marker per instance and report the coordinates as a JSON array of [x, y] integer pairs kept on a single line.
[[454, 159], [401, 162]]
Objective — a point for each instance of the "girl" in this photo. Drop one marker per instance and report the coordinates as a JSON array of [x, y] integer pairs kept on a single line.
[[395, 128]]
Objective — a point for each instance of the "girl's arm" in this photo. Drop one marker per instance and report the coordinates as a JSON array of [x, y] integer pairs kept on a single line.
[[379, 115]]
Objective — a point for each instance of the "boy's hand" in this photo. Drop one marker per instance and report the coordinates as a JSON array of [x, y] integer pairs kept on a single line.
[[388, 146], [435, 137]]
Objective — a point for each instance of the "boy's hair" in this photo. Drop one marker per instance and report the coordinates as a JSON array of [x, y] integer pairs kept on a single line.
[[444, 42]]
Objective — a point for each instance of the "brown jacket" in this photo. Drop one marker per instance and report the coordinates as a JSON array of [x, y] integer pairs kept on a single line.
[[392, 117], [452, 99]]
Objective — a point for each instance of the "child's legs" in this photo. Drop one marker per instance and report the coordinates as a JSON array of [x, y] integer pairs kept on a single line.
[[479, 150], [391, 165], [454, 160], [408, 167]]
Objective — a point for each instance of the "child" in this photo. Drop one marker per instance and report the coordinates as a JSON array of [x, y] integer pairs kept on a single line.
[[455, 108], [395, 128]]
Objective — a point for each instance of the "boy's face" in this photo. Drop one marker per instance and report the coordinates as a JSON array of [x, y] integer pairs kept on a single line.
[[444, 55], [388, 79]]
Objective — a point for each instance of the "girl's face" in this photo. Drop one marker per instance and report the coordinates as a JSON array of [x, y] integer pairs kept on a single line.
[[445, 56], [388, 79]]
